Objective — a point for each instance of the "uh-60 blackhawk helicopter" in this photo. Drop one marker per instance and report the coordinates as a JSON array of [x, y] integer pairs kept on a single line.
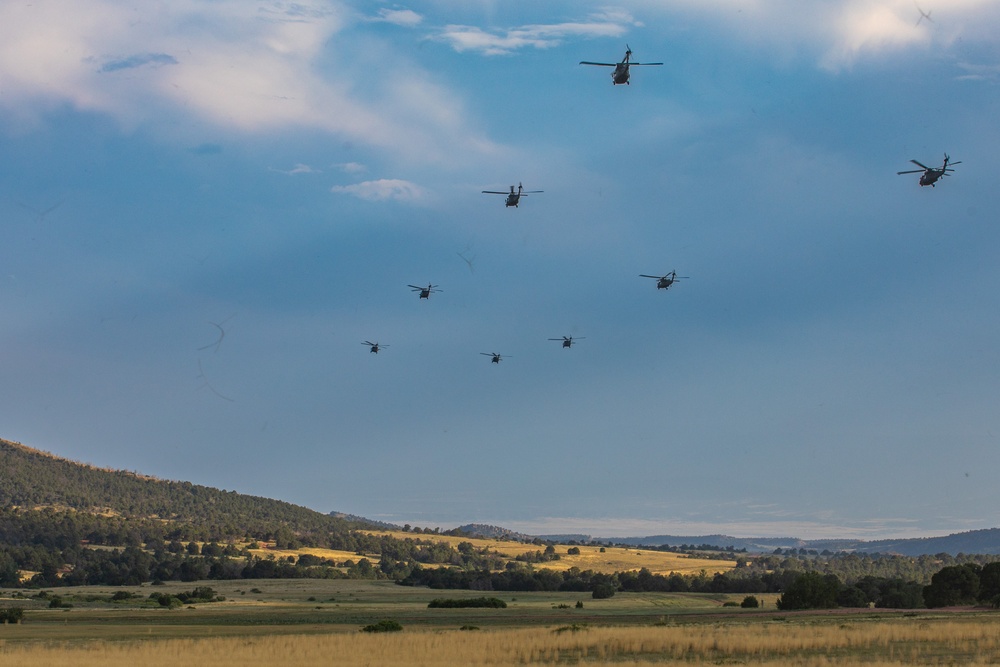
[[373, 347], [621, 73], [664, 282], [497, 358], [931, 175], [513, 197], [567, 341], [424, 292]]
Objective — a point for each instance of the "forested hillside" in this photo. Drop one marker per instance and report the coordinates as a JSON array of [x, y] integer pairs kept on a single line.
[[32, 479]]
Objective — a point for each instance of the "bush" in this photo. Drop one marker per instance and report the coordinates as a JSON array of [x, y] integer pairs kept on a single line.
[[451, 603], [11, 615], [603, 591], [750, 602], [573, 551], [383, 626]]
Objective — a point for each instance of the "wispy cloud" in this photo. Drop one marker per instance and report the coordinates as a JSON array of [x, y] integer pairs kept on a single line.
[[539, 36], [298, 169], [839, 33], [383, 189], [272, 65], [401, 17], [351, 167], [131, 62]]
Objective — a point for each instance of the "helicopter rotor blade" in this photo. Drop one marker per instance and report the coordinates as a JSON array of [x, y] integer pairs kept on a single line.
[[643, 275], [587, 62], [494, 192], [640, 64], [923, 166], [912, 171]]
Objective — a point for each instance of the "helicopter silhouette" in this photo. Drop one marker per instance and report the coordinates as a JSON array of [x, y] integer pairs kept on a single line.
[[930, 175], [621, 73], [567, 341], [664, 282], [496, 357], [513, 197], [375, 347], [425, 292]]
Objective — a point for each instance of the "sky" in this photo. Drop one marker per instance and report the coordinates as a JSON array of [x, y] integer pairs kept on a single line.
[[208, 206]]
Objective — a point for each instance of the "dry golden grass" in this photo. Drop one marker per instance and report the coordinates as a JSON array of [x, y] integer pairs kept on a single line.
[[614, 559], [832, 642], [333, 554]]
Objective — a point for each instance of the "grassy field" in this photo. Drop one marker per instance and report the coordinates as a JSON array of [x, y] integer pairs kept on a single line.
[[310, 622], [613, 559]]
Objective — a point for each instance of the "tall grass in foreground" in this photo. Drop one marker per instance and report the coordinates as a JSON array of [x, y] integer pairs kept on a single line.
[[834, 642]]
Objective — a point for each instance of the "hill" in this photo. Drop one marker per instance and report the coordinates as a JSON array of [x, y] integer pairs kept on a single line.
[[33, 479]]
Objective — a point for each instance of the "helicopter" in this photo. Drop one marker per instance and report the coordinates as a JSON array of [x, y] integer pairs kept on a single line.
[[664, 282], [621, 73], [513, 197], [425, 292], [375, 347], [567, 341], [497, 358], [930, 175]]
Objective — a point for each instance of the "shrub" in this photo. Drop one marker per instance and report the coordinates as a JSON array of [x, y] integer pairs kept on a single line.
[[750, 602], [603, 591], [386, 625], [451, 603], [11, 615]]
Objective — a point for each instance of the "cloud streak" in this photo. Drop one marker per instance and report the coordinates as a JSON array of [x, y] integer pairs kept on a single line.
[[539, 36], [383, 189]]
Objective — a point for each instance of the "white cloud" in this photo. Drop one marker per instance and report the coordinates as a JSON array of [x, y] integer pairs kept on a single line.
[[542, 36], [249, 67], [351, 167], [298, 169], [401, 17], [839, 33], [383, 189]]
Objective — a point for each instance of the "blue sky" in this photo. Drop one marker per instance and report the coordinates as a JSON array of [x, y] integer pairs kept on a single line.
[[207, 207]]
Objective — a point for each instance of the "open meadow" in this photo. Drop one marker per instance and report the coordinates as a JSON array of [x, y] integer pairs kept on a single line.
[[318, 622], [590, 557]]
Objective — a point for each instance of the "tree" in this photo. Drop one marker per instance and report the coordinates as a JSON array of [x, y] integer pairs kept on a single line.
[[953, 585], [989, 583], [811, 590], [750, 602]]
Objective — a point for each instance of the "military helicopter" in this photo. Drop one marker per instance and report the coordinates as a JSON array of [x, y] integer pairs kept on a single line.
[[425, 292], [496, 357], [930, 175], [375, 347], [567, 341], [621, 73], [513, 197], [664, 282]]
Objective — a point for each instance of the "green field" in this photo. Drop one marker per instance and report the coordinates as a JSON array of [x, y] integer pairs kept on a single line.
[[306, 621]]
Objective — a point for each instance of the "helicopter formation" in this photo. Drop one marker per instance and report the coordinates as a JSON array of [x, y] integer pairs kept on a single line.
[[621, 75]]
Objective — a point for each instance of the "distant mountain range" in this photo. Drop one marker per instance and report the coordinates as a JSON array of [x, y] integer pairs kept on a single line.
[[985, 541]]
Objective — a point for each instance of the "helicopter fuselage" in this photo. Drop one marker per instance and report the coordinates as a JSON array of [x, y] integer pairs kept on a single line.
[[512, 200], [931, 176], [620, 75], [663, 283]]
